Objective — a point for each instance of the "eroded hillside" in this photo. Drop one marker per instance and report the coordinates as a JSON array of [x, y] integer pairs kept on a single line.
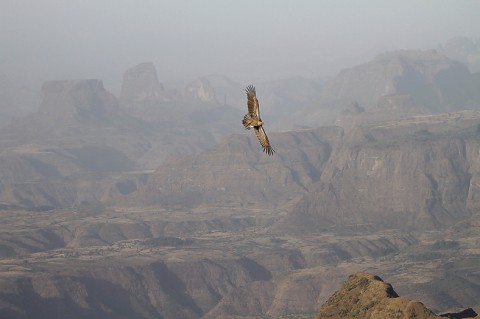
[[127, 208]]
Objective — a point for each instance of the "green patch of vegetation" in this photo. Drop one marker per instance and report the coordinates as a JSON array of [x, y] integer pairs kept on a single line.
[[445, 244], [424, 256], [101, 159], [278, 241], [298, 316], [42, 208], [422, 135], [167, 241]]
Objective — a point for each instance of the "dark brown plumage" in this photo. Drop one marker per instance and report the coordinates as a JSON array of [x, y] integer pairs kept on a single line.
[[252, 119]]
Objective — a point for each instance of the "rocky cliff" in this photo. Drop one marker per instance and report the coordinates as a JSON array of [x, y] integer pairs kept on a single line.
[[237, 173], [364, 295], [433, 82], [419, 172], [140, 85], [463, 49], [82, 100], [155, 281], [74, 147], [201, 90]]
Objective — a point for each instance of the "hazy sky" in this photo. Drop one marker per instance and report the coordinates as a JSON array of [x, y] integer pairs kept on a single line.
[[246, 40]]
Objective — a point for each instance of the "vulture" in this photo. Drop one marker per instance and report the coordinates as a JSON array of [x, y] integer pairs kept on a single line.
[[252, 119]]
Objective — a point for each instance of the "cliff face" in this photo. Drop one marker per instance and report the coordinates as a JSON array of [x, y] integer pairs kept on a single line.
[[465, 50], [420, 81], [408, 175], [364, 295], [200, 90], [48, 157], [194, 288], [238, 173], [82, 100], [140, 85], [68, 108], [430, 78], [420, 172]]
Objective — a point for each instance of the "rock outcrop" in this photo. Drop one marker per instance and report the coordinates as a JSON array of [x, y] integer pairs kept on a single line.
[[419, 172], [418, 82], [366, 296], [430, 78], [237, 173], [200, 90], [140, 85], [463, 49], [81, 100]]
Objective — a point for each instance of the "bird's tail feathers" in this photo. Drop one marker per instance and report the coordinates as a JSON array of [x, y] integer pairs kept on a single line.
[[247, 121]]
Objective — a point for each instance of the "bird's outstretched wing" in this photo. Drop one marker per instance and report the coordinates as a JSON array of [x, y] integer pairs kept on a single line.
[[252, 102], [263, 139]]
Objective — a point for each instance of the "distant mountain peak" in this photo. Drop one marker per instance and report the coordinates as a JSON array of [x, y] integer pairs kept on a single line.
[[80, 99], [140, 84]]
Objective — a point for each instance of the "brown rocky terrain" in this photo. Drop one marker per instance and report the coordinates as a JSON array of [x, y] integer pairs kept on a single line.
[[433, 82], [81, 129], [463, 49], [128, 209], [140, 84], [419, 172], [213, 264], [428, 175], [75, 148], [197, 108], [364, 295]]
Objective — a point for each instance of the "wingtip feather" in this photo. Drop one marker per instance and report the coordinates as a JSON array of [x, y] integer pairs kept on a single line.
[[269, 150], [250, 89]]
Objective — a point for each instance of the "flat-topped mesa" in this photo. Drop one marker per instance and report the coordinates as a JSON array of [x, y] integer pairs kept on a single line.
[[81, 100], [140, 84]]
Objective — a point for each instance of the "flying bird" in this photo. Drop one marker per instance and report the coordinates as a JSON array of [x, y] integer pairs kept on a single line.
[[252, 119]]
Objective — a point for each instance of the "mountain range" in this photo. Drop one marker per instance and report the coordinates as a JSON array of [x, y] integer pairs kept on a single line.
[[156, 203]]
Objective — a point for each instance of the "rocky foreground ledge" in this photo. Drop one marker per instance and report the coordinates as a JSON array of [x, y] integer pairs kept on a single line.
[[364, 295]]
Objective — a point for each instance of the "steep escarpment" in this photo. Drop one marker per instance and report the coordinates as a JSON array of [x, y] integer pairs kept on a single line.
[[199, 287], [418, 172], [414, 186], [463, 49], [237, 173], [196, 109], [149, 264], [430, 78], [68, 107], [140, 84], [72, 151], [80, 128], [429, 81]]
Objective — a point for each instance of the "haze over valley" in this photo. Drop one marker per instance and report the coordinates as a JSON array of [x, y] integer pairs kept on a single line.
[[130, 189]]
